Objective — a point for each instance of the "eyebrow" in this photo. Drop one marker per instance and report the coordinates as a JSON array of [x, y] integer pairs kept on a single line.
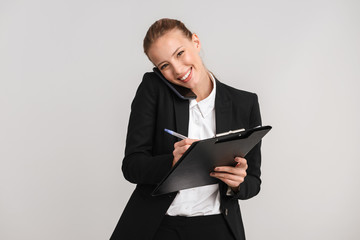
[[171, 55]]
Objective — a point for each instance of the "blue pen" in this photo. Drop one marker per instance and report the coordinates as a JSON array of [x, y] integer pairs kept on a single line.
[[175, 134]]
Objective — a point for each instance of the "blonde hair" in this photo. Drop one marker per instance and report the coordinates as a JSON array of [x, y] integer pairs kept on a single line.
[[160, 27]]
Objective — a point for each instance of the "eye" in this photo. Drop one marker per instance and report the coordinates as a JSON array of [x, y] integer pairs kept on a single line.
[[180, 53], [163, 66]]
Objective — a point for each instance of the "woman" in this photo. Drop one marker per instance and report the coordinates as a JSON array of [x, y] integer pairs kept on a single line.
[[207, 212]]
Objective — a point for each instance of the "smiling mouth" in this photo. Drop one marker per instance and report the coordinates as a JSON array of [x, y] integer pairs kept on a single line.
[[187, 76]]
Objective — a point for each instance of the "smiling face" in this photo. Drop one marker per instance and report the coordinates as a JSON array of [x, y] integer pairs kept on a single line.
[[177, 57]]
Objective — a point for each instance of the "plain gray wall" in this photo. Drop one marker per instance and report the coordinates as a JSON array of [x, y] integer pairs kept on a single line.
[[69, 71]]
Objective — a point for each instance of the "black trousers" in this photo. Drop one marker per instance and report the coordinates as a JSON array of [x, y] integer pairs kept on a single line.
[[212, 227]]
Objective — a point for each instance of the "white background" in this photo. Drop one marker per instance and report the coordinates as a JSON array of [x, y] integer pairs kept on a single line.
[[69, 70]]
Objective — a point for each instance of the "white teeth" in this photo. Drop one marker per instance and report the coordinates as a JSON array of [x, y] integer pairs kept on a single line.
[[186, 75]]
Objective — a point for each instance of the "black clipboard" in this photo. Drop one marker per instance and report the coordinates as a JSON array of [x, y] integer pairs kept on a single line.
[[194, 167]]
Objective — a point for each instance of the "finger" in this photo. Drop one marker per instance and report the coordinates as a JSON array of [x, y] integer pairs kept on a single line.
[[180, 150], [189, 141], [228, 169], [229, 176], [230, 183], [232, 173], [241, 162], [186, 141], [180, 143]]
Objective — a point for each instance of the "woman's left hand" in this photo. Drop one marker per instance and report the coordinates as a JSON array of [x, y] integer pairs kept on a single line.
[[232, 176]]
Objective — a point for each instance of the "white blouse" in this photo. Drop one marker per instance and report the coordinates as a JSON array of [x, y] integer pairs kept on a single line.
[[205, 200]]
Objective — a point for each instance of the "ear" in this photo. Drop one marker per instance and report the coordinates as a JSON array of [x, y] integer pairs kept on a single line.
[[196, 41]]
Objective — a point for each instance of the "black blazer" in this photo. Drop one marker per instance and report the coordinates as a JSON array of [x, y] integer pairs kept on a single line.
[[148, 153]]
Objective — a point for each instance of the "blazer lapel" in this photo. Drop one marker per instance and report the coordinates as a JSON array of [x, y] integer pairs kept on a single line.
[[223, 114], [223, 105], [181, 115]]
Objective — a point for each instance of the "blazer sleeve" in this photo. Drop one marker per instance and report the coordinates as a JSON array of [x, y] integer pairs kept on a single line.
[[140, 165], [251, 185]]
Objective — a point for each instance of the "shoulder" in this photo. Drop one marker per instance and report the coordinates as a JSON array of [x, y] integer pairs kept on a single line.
[[234, 93], [151, 85], [151, 81]]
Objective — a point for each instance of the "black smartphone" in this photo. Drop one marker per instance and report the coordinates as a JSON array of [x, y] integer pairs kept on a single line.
[[182, 92]]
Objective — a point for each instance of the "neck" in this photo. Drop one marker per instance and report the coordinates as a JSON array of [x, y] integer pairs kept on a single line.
[[204, 87]]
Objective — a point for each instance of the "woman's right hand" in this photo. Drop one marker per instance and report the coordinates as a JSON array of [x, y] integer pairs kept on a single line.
[[181, 147]]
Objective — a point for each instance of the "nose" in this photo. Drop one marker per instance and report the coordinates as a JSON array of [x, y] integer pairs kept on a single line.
[[177, 69]]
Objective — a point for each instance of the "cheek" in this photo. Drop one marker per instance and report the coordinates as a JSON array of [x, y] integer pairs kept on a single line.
[[168, 75], [193, 58], [189, 58]]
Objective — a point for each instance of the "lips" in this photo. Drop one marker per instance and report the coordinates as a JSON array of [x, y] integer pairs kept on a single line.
[[187, 76]]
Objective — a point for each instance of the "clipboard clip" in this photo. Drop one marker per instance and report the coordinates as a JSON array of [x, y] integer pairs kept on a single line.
[[228, 136], [237, 134], [230, 132]]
